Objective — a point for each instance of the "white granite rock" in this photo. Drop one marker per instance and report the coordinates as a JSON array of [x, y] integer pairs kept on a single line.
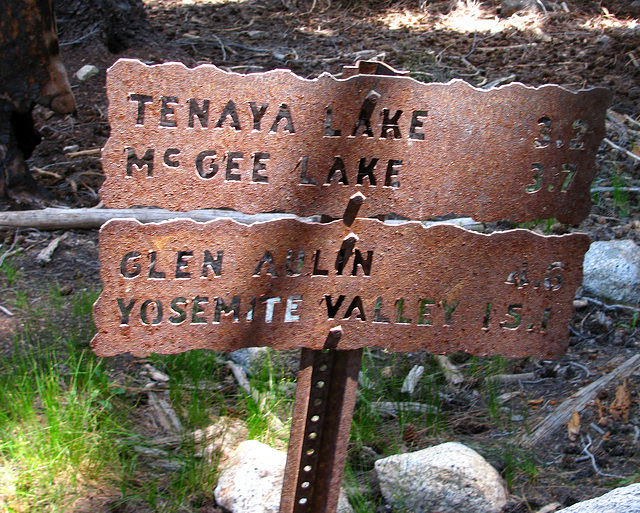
[[612, 270], [620, 500], [86, 72], [251, 482], [448, 478]]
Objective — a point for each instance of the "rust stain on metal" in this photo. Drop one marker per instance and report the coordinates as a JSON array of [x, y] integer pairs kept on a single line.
[[182, 285], [203, 138]]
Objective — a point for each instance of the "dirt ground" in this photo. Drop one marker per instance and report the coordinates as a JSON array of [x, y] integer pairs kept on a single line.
[[595, 43]]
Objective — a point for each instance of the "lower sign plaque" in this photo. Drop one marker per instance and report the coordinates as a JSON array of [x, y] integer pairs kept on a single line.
[[221, 285]]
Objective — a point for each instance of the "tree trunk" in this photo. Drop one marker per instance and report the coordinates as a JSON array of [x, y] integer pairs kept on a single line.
[[30, 71], [118, 24]]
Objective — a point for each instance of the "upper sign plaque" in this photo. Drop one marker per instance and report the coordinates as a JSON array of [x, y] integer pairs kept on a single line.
[[203, 138]]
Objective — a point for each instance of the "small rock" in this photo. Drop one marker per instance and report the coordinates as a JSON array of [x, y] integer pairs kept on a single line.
[[612, 270], [448, 478], [250, 358], [155, 374], [252, 481], [620, 500], [578, 304], [86, 72]]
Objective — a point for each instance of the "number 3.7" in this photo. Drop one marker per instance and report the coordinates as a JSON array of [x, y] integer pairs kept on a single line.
[[562, 179]]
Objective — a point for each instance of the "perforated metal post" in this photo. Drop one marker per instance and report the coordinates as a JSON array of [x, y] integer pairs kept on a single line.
[[322, 413], [325, 400]]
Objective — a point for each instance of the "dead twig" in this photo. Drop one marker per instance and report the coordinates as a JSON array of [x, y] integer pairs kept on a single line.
[[631, 120], [82, 38], [80, 218], [244, 27], [222, 48], [243, 381], [47, 173], [499, 81], [84, 153], [611, 307], [44, 257], [585, 450], [550, 508], [621, 149], [10, 251], [510, 378], [578, 402], [390, 409], [615, 189]]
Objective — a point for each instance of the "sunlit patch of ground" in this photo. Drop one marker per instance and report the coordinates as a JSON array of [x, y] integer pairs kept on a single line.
[[611, 22], [468, 16]]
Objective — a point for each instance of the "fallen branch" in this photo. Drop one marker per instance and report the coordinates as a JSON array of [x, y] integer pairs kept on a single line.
[[578, 402], [88, 218], [93, 218], [412, 379]]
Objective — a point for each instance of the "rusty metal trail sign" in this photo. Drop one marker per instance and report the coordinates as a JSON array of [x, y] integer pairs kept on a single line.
[[187, 139], [221, 285], [203, 138]]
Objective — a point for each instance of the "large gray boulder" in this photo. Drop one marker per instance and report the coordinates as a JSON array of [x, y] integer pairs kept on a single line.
[[612, 270], [620, 500], [447, 478], [252, 481]]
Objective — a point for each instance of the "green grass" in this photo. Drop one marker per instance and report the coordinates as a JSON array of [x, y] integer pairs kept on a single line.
[[620, 196], [66, 425], [69, 421], [9, 272], [57, 420]]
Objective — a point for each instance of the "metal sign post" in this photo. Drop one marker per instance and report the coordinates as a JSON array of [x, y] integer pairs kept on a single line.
[[363, 146]]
